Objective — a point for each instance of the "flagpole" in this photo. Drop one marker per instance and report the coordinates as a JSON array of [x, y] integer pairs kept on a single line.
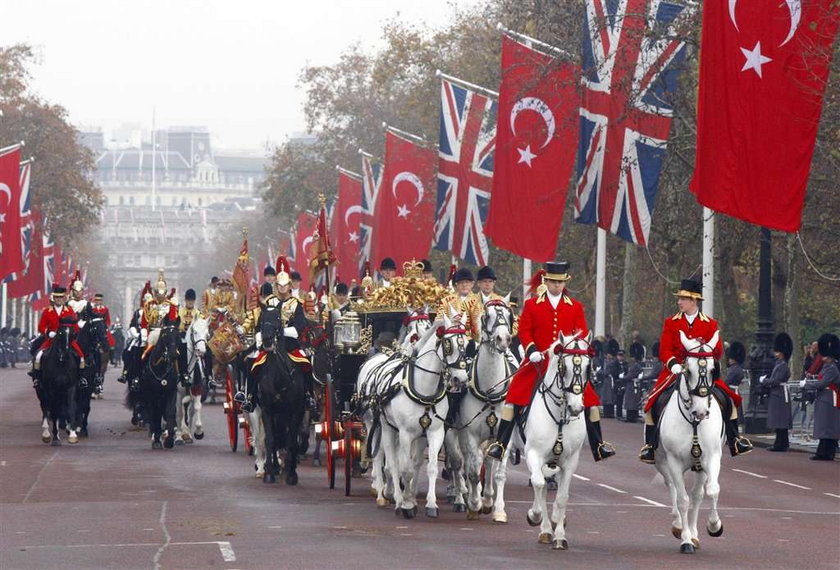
[[468, 85], [530, 40], [12, 147], [154, 182], [708, 262], [348, 172], [3, 297], [601, 284], [526, 278], [404, 134]]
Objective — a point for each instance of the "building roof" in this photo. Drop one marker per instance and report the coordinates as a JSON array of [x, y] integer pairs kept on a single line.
[[135, 159]]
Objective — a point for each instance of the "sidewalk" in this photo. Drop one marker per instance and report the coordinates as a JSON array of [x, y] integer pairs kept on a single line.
[[798, 441]]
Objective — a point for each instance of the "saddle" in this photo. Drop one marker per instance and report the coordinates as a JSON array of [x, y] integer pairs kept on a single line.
[[720, 396]]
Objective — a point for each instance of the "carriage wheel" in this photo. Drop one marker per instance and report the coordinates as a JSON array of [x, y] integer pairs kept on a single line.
[[246, 429], [329, 420], [230, 411], [348, 456]]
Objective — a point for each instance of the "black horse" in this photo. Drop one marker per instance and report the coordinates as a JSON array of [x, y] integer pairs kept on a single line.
[[93, 340], [158, 386], [59, 379], [282, 399]]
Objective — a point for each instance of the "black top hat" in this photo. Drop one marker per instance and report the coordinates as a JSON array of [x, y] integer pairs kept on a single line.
[[214, 280], [427, 266], [829, 345], [637, 351], [784, 344], [59, 290], [486, 272], [295, 276], [612, 347], [557, 270], [462, 274], [737, 352], [387, 263], [266, 289], [99, 296], [690, 288], [189, 295], [269, 270], [341, 289]]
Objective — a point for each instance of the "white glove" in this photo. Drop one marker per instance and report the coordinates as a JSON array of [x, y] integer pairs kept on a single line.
[[82, 323], [239, 329], [174, 300], [640, 376], [52, 335], [621, 376], [762, 379], [535, 357], [144, 335], [133, 332], [802, 383], [676, 368], [290, 332], [258, 339]]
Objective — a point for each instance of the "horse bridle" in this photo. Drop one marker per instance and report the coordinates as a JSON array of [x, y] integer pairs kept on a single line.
[[415, 317], [703, 389], [499, 320], [574, 387]]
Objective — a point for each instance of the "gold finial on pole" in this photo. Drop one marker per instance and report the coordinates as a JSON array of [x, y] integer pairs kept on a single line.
[[245, 232], [322, 199]]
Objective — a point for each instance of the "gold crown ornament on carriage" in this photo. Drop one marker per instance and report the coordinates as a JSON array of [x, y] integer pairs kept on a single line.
[[410, 290]]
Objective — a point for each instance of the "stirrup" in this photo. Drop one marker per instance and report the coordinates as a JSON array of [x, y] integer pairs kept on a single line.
[[647, 454], [496, 450], [740, 446], [247, 407], [604, 450], [239, 397]]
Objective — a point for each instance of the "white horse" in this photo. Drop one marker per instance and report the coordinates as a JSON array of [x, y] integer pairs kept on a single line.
[[412, 403], [554, 432], [188, 412], [415, 325], [487, 386], [691, 428]]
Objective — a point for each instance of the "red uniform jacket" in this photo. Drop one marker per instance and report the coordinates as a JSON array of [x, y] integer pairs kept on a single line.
[[102, 311], [672, 351], [50, 321], [539, 326]]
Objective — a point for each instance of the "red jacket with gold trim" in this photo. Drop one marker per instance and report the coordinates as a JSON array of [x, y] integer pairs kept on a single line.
[[541, 324]]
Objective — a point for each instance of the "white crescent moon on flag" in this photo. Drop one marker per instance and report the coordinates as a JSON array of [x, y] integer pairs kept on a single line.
[[795, 7], [7, 190], [306, 242], [538, 106], [732, 4], [350, 211], [411, 178]]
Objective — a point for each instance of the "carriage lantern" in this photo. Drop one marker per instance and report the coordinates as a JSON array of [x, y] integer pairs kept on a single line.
[[348, 332]]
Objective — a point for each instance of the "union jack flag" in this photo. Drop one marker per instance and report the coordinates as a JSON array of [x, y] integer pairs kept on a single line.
[[27, 225], [371, 181], [465, 172], [631, 63]]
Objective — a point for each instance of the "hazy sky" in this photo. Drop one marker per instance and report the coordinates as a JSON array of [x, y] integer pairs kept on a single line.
[[229, 65]]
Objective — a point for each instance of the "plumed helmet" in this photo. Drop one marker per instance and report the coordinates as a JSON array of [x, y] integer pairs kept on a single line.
[[637, 351], [486, 272], [829, 345], [612, 347], [283, 268], [654, 350], [77, 285], [189, 295], [784, 344], [160, 284], [737, 352], [387, 263], [269, 270], [463, 274]]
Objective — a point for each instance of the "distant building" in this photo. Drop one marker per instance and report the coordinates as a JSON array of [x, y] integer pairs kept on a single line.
[[169, 223]]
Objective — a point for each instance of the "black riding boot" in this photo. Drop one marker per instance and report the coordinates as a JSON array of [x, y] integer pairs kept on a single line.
[[782, 442], [738, 445], [36, 378], [600, 448], [648, 452], [497, 448]]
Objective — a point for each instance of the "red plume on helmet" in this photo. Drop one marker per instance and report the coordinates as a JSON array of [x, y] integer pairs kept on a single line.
[[452, 269], [147, 288], [366, 269], [282, 264], [172, 293], [536, 281]]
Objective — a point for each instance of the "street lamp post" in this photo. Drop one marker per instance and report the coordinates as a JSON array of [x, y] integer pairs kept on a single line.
[[761, 355]]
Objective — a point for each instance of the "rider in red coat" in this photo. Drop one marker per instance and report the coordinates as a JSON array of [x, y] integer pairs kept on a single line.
[[543, 319], [100, 310], [56, 315], [702, 328]]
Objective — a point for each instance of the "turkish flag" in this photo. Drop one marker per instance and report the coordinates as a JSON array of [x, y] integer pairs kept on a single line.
[[536, 141], [307, 223], [31, 279], [763, 71], [344, 230], [405, 208], [11, 254]]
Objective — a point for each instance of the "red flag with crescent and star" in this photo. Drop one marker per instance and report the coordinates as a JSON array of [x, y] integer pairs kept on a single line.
[[405, 210], [307, 223], [536, 138], [763, 72], [11, 254], [344, 229]]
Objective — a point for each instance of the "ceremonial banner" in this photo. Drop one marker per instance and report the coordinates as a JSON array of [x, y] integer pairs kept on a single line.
[[465, 172], [763, 72], [321, 256], [11, 254], [344, 229], [406, 208], [630, 73], [371, 179], [535, 151], [307, 223], [240, 276]]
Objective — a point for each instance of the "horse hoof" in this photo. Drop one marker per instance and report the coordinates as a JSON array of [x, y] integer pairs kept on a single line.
[[432, 512], [269, 478], [259, 474], [486, 510], [677, 532], [157, 445], [83, 433], [55, 442], [533, 521], [73, 438], [409, 513], [179, 442], [717, 533], [459, 508], [169, 443], [199, 435], [500, 518], [373, 492], [291, 479], [381, 503], [46, 438], [560, 544], [687, 548], [545, 538], [696, 543], [472, 515], [187, 438]]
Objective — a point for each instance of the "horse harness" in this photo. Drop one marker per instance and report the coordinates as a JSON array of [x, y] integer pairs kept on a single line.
[[703, 389], [558, 398], [171, 362]]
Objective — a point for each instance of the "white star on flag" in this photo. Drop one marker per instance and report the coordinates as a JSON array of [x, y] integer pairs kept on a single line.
[[403, 211], [353, 237], [754, 59], [525, 155]]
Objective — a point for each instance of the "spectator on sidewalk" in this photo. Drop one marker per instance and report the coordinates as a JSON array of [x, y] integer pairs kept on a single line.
[[827, 403], [779, 416]]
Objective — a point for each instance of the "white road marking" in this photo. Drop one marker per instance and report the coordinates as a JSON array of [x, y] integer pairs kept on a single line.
[[832, 495], [654, 503], [38, 477], [783, 539], [581, 477], [228, 555], [787, 518], [750, 473], [275, 527], [148, 529], [83, 530], [166, 537], [593, 532], [2, 463], [465, 528], [612, 488], [792, 484]]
